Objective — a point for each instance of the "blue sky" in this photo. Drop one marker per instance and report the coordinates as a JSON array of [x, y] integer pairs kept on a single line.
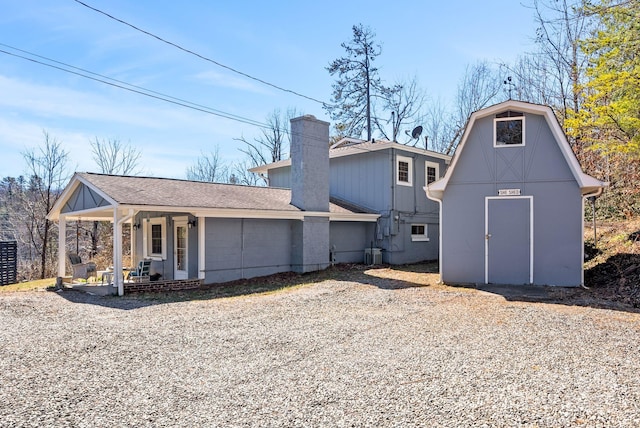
[[286, 43]]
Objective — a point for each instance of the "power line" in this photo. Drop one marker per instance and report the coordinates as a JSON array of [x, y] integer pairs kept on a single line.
[[199, 55], [135, 89]]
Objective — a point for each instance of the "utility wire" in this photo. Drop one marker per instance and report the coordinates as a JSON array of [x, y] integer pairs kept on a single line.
[[199, 55], [151, 93], [135, 89], [141, 91], [120, 83]]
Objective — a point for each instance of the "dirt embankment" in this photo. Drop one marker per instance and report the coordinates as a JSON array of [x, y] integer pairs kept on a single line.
[[612, 268]]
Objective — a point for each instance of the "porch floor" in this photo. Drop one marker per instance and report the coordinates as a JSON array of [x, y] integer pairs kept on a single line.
[[95, 289]]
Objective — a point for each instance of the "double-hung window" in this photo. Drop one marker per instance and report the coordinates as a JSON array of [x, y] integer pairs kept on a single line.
[[154, 237], [432, 172], [404, 171]]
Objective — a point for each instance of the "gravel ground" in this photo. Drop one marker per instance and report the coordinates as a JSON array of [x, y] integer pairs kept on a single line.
[[334, 353]]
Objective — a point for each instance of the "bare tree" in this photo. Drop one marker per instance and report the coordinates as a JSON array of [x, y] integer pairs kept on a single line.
[[274, 142], [271, 146], [562, 25], [439, 127], [531, 80], [47, 167], [114, 157], [240, 174], [404, 100], [208, 167], [480, 86]]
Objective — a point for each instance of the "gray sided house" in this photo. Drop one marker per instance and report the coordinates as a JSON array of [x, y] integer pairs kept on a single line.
[[221, 232], [381, 177], [512, 201]]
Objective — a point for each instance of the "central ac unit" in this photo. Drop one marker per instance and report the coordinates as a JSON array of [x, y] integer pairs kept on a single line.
[[372, 256]]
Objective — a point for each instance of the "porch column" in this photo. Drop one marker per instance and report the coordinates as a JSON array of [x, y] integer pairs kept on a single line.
[[62, 248], [117, 253], [201, 248]]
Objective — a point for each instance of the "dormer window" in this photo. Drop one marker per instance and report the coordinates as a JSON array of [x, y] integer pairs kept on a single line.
[[508, 129]]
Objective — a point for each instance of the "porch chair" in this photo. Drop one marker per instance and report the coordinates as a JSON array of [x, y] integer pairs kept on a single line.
[[81, 270], [141, 273]]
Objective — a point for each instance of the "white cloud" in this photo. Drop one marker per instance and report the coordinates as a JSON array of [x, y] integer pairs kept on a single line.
[[226, 80]]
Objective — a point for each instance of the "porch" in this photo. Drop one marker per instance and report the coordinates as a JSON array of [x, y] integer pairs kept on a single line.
[[99, 289], [167, 236]]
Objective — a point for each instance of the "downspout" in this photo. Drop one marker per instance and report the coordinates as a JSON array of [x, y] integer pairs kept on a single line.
[[595, 194], [439, 201], [394, 177]]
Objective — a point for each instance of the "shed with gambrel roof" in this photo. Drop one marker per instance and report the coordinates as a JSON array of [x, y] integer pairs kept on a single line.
[[512, 201]]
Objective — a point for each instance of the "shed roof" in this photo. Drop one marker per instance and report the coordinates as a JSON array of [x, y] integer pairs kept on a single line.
[[587, 184]]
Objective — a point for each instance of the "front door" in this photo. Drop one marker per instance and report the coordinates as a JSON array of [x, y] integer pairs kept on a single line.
[[509, 240], [180, 251]]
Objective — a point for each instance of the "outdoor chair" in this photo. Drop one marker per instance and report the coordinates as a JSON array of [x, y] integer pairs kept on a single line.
[[81, 270], [141, 273]]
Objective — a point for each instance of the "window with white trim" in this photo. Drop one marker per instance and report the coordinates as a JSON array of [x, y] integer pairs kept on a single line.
[[508, 129], [404, 171], [419, 232], [431, 172], [154, 238]]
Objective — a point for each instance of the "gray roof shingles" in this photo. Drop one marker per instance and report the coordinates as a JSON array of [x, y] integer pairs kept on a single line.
[[127, 190]]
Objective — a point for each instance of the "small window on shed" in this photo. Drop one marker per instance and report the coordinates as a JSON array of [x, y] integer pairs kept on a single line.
[[419, 232], [509, 129]]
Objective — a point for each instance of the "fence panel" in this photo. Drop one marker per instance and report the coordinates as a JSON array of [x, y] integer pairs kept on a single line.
[[8, 262]]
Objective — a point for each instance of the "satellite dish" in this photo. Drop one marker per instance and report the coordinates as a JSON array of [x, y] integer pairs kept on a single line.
[[415, 134]]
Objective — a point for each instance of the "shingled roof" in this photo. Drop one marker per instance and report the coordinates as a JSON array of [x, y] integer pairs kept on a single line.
[[168, 193]]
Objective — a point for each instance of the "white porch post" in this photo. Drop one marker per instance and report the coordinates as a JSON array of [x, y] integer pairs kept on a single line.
[[62, 247], [201, 248], [117, 253]]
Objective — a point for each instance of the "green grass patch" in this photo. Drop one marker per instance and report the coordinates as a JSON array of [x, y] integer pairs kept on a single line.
[[39, 284]]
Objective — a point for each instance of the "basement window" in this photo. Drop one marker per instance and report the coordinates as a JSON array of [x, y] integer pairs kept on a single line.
[[419, 232], [509, 129], [404, 170]]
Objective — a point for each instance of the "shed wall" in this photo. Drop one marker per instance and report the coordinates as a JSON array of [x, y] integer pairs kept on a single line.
[[536, 169]]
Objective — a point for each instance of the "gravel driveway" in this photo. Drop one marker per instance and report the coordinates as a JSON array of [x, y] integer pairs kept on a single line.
[[334, 353]]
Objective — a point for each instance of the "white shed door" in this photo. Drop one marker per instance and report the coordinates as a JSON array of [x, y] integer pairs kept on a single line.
[[509, 240]]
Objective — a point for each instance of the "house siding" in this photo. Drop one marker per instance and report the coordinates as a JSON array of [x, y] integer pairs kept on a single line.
[[246, 248], [349, 239], [363, 179], [280, 177], [368, 180], [83, 198]]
